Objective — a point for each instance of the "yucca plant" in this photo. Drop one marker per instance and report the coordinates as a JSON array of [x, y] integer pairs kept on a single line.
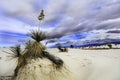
[[34, 53], [35, 49], [36, 60]]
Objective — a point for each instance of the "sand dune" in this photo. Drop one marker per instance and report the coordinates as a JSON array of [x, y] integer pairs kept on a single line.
[[83, 64]]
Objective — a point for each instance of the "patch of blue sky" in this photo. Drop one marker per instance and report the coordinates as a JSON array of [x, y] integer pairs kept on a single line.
[[11, 38], [6, 33], [8, 41], [73, 37]]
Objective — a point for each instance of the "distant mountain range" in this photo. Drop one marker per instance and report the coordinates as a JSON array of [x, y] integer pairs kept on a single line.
[[84, 40], [87, 43]]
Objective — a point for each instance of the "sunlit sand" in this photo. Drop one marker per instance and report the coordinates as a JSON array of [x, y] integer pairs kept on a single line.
[[79, 65]]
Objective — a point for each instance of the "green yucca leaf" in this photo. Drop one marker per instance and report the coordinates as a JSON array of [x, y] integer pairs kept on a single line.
[[37, 35]]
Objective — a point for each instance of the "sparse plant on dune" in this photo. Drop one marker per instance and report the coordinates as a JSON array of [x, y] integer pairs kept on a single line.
[[62, 49], [35, 49], [71, 46], [110, 46]]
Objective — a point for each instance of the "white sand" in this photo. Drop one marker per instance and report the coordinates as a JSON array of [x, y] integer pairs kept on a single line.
[[83, 64], [7, 65]]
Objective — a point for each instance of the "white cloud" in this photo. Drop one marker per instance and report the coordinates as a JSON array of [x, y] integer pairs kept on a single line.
[[13, 25], [17, 26], [68, 15], [102, 34]]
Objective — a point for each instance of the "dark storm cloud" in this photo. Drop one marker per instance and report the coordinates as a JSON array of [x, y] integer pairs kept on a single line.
[[114, 31], [103, 18]]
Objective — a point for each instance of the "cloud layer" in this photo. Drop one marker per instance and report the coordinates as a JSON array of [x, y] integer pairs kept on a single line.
[[62, 17]]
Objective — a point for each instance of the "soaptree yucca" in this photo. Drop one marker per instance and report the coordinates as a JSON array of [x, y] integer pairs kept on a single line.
[[35, 63], [35, 48]]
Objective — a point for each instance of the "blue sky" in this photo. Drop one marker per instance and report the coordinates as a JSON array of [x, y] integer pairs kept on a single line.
[[98, 19]]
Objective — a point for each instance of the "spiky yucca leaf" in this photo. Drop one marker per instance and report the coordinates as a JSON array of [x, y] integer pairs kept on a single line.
[[37, 35], [15, 51], [34, 50]]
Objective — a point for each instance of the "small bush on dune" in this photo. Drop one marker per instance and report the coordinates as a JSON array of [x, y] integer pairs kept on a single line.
[[110, 46], [62, 49]]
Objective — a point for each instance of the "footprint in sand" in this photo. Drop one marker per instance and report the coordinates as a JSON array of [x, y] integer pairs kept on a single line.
[[85, 62]]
